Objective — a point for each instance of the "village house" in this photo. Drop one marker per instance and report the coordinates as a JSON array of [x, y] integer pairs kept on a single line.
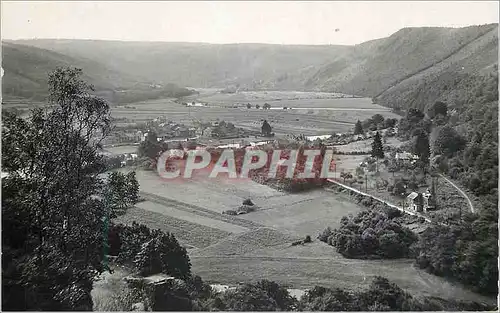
[[406, 157], [420, 202]]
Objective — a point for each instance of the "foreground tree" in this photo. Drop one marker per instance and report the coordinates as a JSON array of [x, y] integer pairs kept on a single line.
[[52, 222]]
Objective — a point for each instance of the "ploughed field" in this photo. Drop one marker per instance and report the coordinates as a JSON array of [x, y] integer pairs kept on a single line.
[[226, 249], [311, 114]]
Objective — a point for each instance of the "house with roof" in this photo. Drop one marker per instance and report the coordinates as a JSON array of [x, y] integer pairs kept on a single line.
[[414, 202], [420, 201]]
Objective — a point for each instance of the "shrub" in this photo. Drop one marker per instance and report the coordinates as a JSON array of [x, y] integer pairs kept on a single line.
[[308, 239], [371, 234], [247, 202]]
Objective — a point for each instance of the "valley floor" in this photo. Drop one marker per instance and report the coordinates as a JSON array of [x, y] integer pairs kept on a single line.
[[233, 249]]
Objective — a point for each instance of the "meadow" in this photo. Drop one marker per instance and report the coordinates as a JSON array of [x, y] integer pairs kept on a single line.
[[231, 249], [225, 250], [313, 113]]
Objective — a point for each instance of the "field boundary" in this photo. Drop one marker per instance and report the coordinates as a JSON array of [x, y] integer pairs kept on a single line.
[[200, 211]]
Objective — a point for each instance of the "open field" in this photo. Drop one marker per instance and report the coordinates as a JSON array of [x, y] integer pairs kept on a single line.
[[191, 234], [317, 210], [348, 163], [313, 113], [122, 149], [226, 254], [306, 272], [366, 145], [191, 217]]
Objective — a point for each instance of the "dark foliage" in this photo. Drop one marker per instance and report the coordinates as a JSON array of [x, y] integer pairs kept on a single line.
[[266, 129], [151, 251], [448, 142], [51, 220], [381, 295], [358, 128], [370, 234], [150, 147], [377, 147], [466, 252], [421, 147], [438, 108]]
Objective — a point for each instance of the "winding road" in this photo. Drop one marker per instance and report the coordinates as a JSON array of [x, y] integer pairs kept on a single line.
[[461, 191]]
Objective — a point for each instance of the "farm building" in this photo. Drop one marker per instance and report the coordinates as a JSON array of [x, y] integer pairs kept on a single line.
[[406, 157], [420, 202], [414, 202]]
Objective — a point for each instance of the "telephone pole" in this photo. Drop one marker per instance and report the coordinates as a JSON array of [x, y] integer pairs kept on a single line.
[[366, 183]]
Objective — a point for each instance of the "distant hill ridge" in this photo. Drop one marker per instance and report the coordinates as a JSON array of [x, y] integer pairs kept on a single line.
[[387, 69]]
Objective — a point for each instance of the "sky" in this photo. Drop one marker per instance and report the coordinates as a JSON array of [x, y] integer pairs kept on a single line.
[[276, 22]]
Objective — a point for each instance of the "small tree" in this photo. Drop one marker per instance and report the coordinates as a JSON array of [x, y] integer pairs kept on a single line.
[[377, 119], [257, 106], [132, 188], [358, 128], [150, 146], [438, 108], [266, 129], [249, 106]]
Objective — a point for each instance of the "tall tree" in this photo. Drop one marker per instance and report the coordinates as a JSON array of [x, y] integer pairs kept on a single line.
[[421, 148], [53, 164], [358, 128], [377, 147]]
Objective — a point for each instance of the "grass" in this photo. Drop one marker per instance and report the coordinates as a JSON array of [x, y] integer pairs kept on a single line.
[[122, 149], [312, 268], [194, 218], [192, 234], [305, 214], [308, 122], [110, 292], [366, 145], [245, 243]]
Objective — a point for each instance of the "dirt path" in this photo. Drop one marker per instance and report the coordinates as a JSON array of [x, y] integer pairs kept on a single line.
[[461, 191]]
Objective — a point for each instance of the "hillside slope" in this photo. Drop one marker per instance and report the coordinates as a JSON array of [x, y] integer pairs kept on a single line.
[[26, 72], [395, 70], [449, 79], [204, 65], [375, 66]]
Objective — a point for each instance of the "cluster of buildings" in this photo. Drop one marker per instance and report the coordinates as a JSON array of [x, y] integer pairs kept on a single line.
[[420, 201]]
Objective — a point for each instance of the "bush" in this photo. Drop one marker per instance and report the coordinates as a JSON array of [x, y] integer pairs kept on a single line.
[[371, 234], [247, 202], [308, 239]]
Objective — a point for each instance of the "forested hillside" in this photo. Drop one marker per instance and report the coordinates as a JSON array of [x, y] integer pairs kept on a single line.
[[26, 71], [204, 65], [388, 68]]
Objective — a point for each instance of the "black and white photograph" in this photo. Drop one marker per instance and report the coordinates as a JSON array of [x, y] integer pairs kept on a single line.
[[249, 155]]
